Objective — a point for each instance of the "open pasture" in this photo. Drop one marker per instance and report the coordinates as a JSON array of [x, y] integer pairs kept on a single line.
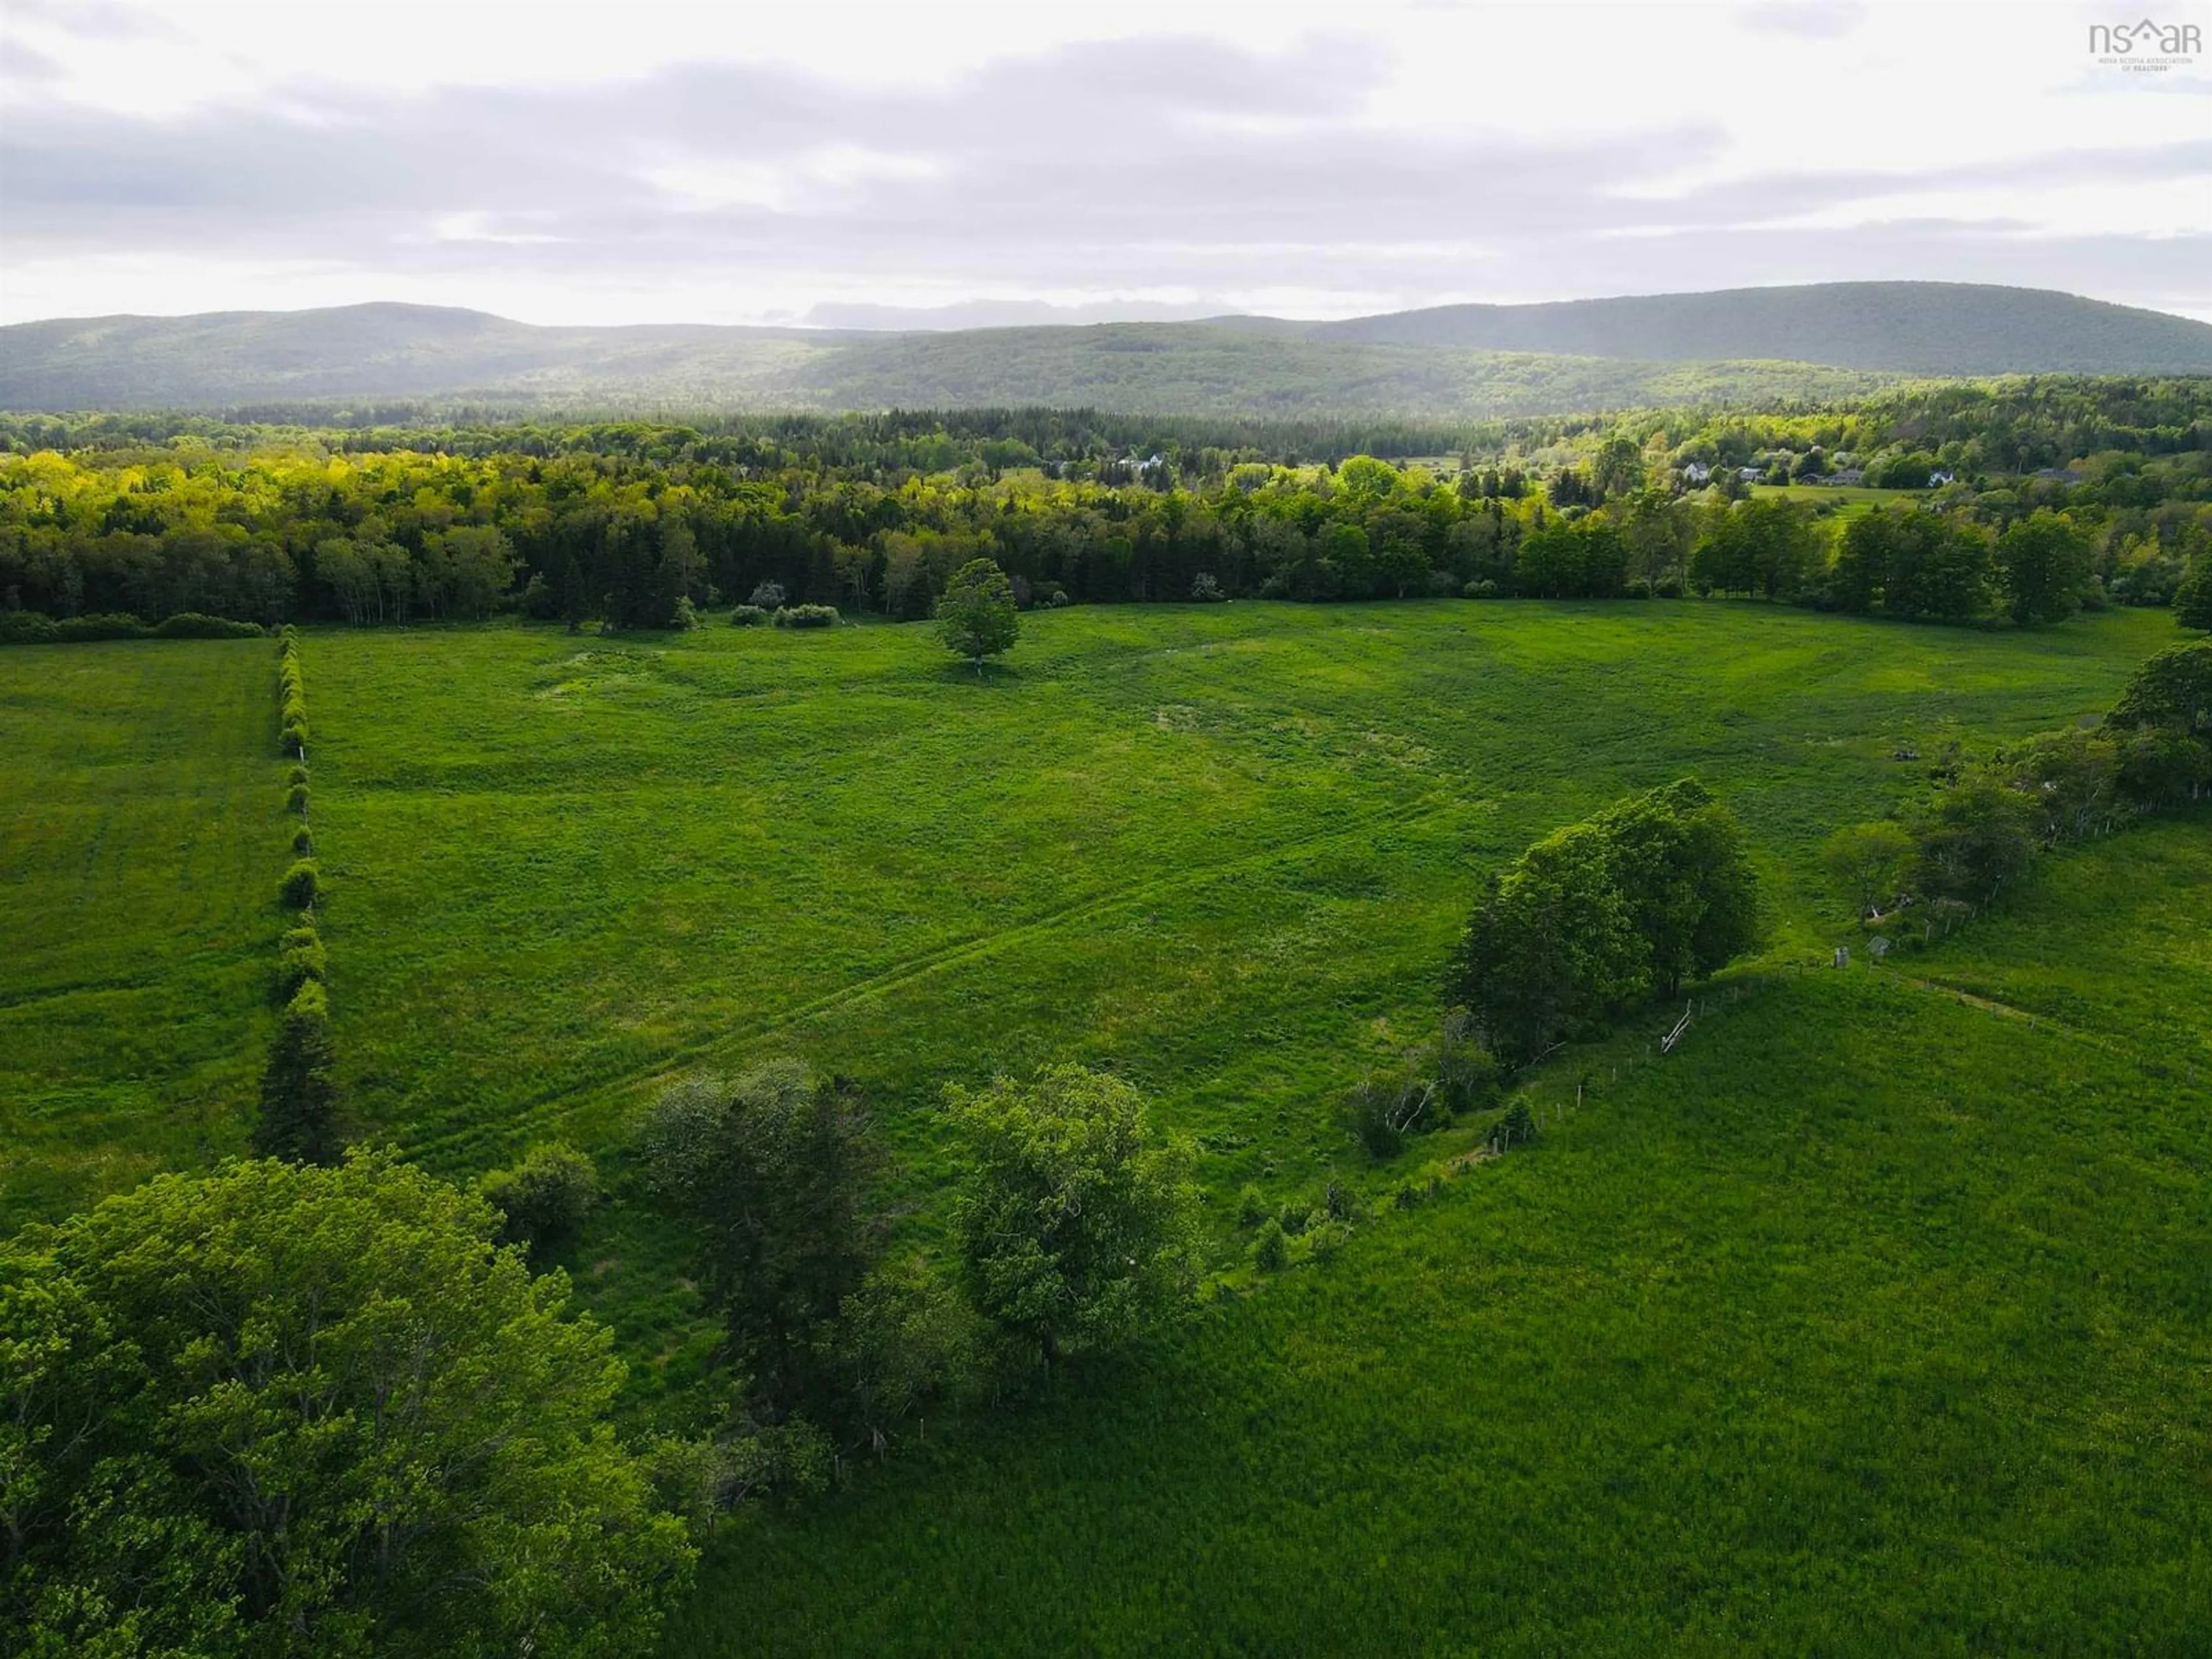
[[1867, 1324], [1872, 1321], [1222, 849], [142, 834]]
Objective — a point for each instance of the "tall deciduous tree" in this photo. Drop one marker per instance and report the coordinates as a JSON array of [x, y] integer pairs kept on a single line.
[[277, 1410], [1551, 950], [777, 1169], [1077, 1222], [2173, 688], [1870, 861], [1640, 897], [1678, 858], [2192, 600], [1973, 838], [977, 617], [2044, 560]]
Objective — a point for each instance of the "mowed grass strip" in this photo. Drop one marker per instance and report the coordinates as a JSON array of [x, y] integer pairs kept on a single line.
[[1868, 1323], [140, 844]]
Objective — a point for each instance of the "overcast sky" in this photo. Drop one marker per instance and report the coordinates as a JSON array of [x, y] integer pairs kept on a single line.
[[632, 162]]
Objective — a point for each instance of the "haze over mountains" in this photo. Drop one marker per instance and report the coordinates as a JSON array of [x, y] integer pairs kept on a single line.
[[1826, 340]]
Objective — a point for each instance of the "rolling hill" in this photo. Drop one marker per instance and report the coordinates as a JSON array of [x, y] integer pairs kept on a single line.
[[1911, 328], [1827, 341]]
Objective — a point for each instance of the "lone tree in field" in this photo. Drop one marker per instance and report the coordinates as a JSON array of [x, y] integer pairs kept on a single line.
[[277, 1410], [976, 618], [1870, 861], [1077, 1224]]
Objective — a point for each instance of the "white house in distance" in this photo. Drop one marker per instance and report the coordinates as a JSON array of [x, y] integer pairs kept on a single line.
[[1697, 472]]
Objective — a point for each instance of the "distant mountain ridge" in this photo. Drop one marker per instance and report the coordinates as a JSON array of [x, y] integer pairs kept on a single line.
[[1913, 328], [1821, 341]]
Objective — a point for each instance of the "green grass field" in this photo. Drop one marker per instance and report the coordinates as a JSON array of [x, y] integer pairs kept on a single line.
[[139, 851], [1222, 849], [1872, 1321], [1861, 495], [1844, 501]]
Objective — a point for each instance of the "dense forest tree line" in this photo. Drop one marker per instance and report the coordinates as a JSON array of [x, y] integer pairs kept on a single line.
[[2014, 424], [628, 523]]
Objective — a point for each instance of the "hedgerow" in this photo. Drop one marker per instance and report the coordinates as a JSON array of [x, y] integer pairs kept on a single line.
[[807, 616], [34, 628], [193, 625], [299, 1092], [299, 886], [302, 958]]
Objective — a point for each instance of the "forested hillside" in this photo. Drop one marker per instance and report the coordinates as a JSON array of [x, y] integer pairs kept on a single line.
[[1746, 346]]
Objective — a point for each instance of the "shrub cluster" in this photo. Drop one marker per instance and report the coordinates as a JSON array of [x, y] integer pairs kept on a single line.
[[192, 625], [1317, 1226], [292, 700], [1431, 1085], [298, 887], [1649, 893], [301, 958], [806, 616], [546, 1197], [748, 616]]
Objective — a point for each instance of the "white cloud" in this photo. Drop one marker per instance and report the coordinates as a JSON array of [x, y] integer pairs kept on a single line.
[[642, 161]]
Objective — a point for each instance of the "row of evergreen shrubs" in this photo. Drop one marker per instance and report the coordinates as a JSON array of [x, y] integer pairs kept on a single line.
[[292, 706], [34, 628], [299, 1089]]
